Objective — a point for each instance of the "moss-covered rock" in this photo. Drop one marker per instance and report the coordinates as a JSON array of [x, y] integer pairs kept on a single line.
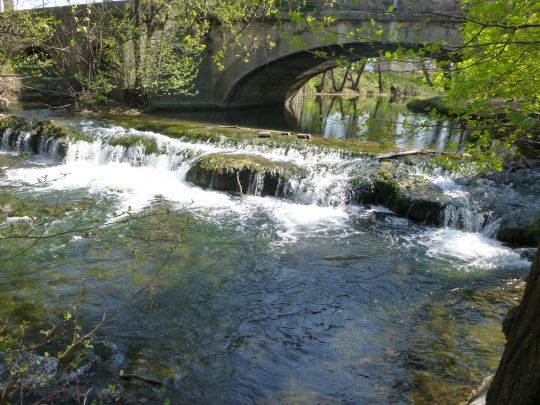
[[255, 175], [408, 196], [149, 145], [523, 233]]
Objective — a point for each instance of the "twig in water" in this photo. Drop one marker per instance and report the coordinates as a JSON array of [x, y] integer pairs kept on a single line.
[[239, 186]]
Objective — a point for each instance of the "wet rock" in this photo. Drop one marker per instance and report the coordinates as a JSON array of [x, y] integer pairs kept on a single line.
[[242, 173], [149, 145], [4, 104], [527, 253], [516, 380], [35, 136], [408, 196], [512, 199], [521, 232], [265, 134]]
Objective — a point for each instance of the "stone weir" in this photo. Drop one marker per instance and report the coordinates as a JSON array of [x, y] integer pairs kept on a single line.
[[301, 172]]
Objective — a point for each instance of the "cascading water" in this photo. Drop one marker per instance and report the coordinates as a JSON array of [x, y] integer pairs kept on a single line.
[[325, 183]]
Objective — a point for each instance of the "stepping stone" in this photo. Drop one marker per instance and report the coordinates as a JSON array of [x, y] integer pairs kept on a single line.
[[303, 136], [265, 134]]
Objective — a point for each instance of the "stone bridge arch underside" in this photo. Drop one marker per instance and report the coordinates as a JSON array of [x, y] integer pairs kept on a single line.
[[272, 76]]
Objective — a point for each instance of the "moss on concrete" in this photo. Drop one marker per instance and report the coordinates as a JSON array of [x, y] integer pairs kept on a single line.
[[237, 136]]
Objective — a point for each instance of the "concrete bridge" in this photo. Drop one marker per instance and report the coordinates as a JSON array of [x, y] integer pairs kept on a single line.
[[274, 75]]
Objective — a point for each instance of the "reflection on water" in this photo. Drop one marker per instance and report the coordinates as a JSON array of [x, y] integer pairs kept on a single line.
[[356, 118], [375, 119]]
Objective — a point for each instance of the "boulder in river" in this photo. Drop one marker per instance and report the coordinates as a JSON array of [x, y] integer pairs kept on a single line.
[[408, 196], [243, 173], [522, 233]]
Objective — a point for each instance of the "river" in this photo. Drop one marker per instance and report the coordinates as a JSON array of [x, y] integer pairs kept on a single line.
[[219, 298]]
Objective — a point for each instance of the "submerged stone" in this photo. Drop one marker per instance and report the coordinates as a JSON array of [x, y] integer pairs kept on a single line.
[[243, 173]]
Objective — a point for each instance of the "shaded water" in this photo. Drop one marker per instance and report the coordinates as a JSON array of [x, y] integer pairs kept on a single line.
[[247, 300]]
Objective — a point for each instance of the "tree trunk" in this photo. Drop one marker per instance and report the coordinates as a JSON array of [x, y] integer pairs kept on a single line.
[[137, 57], [345, 78], [320, 87], [379, 71], [426, 74], [518, 377], [356, 84], [333, 80]]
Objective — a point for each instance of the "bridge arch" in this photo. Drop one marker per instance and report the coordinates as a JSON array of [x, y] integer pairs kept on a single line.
[[273, 76], [278, 81]]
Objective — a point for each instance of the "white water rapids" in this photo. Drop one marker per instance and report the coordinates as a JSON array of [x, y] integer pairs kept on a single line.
[[318, 202]]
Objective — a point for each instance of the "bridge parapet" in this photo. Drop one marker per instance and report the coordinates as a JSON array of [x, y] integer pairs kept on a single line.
[[414, 6]]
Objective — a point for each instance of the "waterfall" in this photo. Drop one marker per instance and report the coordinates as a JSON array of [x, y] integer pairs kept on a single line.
[[29, 141], [322, 178], [465, 218]]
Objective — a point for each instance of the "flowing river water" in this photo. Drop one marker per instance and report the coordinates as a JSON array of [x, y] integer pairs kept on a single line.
[[219, 298]]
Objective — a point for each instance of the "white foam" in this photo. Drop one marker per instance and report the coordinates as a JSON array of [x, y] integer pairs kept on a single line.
[[469, 250], [449, 186]]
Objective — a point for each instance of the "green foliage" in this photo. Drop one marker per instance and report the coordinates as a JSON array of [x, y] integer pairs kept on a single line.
[[500, 53], [24, 31], [149, 47]]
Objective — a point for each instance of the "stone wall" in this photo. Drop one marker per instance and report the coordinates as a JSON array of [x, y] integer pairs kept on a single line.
[[46, 91]]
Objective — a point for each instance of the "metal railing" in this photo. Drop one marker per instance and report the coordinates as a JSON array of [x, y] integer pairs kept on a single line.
[[38, 4], [303, 5]]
